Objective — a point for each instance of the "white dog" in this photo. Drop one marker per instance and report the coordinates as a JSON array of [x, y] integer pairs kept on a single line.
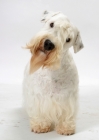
[[50, 85]]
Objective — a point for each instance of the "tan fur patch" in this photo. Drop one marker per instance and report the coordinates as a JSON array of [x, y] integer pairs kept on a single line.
[[37, 61], [40, 57]]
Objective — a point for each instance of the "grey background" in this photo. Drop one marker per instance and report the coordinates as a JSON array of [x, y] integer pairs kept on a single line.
[[20, 20]]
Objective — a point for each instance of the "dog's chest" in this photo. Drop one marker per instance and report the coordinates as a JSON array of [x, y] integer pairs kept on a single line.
[[44, 81]]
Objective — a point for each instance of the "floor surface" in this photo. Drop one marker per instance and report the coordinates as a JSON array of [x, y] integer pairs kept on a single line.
[[14, 124]]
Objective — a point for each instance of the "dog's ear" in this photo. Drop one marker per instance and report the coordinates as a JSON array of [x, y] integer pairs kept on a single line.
[[48, 14], [78, 45], [45, 14]]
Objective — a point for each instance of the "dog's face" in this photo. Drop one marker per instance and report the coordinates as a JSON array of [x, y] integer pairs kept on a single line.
[[55, 38]]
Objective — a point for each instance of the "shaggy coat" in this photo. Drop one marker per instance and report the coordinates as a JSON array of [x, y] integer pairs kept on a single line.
[[50, 85]]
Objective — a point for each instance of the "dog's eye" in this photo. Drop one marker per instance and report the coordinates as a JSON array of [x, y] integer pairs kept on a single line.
[[52, 25], [68, 40]]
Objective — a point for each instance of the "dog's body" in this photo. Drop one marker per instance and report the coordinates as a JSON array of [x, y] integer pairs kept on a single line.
[[50, 92]]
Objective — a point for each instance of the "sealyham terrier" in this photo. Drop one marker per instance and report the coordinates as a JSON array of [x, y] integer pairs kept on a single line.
[[50, 85]]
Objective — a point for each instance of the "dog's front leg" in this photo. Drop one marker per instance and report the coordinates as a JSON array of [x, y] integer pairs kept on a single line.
[[66, 122]]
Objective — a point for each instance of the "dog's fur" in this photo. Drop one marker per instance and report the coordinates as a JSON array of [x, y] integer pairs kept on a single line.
[[50, 85]]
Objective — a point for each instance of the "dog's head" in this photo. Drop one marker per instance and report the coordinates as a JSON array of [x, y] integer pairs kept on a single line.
[[56, 37]]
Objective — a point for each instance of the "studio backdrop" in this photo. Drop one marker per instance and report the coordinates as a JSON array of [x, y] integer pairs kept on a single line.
[[19, 22]]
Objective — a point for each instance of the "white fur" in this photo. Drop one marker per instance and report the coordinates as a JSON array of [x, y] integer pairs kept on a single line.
[[51, 95]]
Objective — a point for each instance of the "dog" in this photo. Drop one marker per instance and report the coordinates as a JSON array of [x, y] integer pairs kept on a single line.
[[50, 85]]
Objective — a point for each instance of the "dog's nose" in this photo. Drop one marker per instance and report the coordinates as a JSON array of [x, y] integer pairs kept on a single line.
[[48, 45]]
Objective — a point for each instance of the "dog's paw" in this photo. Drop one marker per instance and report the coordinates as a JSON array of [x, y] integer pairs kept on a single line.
[[64, 131], [39, 129]]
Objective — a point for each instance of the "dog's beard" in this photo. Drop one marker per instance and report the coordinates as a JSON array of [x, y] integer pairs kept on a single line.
[[41, 57], [37, 61]]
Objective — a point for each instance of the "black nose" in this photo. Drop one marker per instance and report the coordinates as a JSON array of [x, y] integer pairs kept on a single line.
[[48, 45]]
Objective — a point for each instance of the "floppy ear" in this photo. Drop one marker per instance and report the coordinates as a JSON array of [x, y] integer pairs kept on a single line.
[[78, 45], [47, 15]]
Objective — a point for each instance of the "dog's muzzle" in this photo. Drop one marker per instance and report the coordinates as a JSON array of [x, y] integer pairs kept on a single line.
[[48, 45]]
